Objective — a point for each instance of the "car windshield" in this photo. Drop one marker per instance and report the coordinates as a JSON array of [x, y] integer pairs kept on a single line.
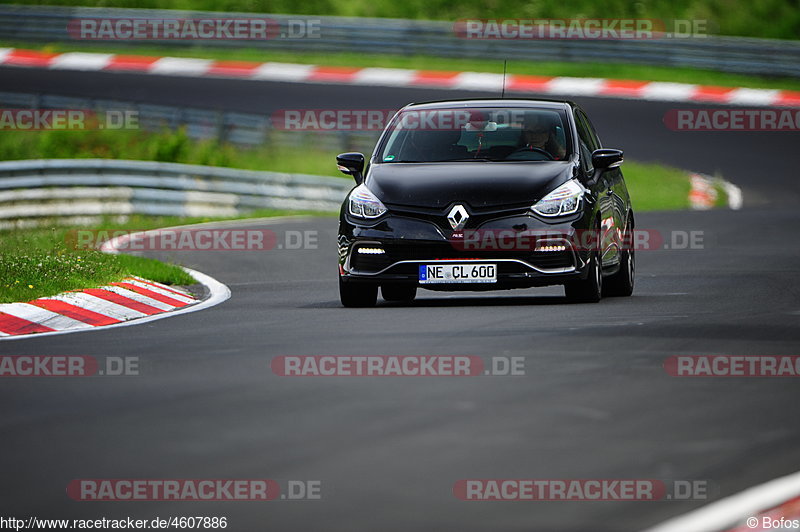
[[479, 134]]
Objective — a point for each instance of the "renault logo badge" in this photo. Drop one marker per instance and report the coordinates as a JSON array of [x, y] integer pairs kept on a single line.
[[458, 217]]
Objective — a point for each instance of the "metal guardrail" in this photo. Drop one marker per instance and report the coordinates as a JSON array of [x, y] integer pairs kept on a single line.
[[74, 189], [413, 37], [243, 129]]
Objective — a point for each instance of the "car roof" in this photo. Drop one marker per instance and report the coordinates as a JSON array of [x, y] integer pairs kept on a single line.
[[493, 102]]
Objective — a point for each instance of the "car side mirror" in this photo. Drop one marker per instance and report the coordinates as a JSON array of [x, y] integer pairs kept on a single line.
[[351, 163], [605, 158]]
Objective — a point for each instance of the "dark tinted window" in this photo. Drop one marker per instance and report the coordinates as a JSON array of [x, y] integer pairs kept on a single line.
[[595, 141], [496, 134], [586, 142]]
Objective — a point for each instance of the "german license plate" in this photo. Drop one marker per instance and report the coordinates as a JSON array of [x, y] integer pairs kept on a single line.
[[447, 272]]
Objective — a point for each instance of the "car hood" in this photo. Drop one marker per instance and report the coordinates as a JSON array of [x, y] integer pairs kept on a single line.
[[477, 184]]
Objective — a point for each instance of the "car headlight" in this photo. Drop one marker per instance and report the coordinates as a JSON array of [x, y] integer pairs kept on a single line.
[[362, 203], [566, 199]]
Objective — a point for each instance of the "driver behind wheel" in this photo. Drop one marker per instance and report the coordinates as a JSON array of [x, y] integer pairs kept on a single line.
[[539, 133]]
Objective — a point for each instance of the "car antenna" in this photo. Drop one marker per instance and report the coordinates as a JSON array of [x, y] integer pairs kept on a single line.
[[503, 94]]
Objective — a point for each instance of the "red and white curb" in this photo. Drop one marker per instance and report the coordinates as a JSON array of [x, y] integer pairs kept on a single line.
[[744, 511], [703, 195], [396, 77], [128, 299], [132, 301]]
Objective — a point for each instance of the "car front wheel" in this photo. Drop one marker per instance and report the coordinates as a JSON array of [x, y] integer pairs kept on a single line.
[[621, 283], [357, 294], [588, 290]]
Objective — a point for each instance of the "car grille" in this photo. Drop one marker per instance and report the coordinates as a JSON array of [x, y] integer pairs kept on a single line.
[[439, 216]]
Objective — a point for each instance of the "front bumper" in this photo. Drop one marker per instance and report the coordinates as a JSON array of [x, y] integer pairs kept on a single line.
[[527, 251]]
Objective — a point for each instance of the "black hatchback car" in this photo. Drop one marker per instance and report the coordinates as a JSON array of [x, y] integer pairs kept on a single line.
[[486, 195]]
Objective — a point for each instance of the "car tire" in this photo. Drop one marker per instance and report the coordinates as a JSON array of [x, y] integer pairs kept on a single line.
[[589, 290], [357, 294], [399, 292], [621, 283]]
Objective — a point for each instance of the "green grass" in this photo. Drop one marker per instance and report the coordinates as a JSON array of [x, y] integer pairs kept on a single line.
[[762, 18], [39, 262], [656, 187], [537, 68], [46, 261], [722, 196], [166, 146]]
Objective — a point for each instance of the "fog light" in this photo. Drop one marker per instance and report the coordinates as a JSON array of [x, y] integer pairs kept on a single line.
[[371, 251], [550, 247]]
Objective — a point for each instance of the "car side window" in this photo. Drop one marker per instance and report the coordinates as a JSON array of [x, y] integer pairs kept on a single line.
[[585, 143], [595, 140]]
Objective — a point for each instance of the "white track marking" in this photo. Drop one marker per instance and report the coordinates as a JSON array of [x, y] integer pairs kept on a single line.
[[478, 81], [283, 72], [735, 196], [130, 294], [678, 92], [179, 290], [99, 305], [753, 96], [81, 61], [385, 76], [157, 290], [733, 510], [180, 66], [582, 86]]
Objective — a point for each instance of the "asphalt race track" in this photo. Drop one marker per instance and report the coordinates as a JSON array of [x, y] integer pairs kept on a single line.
[[595, 401]]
